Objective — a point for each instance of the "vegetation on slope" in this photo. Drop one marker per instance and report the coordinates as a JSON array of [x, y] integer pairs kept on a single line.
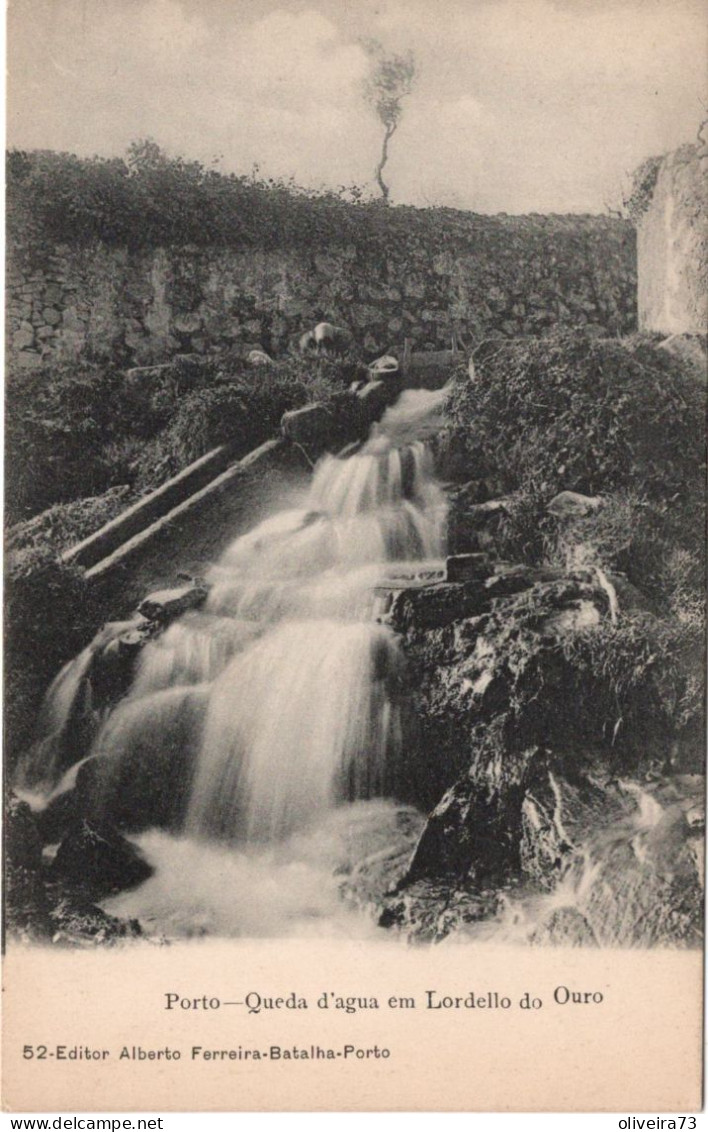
[[79, 430], [152, 200], [622, 419]]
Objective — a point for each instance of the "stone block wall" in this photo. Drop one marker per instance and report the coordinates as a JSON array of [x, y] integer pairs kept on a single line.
[[479, 275]]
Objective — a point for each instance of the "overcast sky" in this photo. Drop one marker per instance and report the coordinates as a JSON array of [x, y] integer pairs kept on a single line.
[[519, 105]]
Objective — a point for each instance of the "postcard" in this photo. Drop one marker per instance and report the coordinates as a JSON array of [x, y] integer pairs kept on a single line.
[[355, 556]]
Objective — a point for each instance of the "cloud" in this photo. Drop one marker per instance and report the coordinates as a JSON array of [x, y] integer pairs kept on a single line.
[[166, 33], [297, 57], [518, 104], [291, 85]]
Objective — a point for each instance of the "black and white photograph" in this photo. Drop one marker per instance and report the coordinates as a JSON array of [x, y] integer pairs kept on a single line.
[[355, 581]]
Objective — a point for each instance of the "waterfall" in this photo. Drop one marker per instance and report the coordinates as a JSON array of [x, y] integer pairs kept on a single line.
[[306, 716], [259, 714], [66, 717], [260, 749], [296, 723]]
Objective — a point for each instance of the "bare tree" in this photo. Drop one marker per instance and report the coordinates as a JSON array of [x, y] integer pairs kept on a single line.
[[390, 80]]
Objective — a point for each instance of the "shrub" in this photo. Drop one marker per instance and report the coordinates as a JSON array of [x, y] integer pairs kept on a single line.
[[48, 620], [242, 409], [59, 421], [641, 192], [637, 683], [584, 414], [65, 524], [78, 430], [623, 420], [152, 200]]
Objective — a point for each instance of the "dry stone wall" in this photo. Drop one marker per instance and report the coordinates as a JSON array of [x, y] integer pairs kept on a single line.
[[479, 275]]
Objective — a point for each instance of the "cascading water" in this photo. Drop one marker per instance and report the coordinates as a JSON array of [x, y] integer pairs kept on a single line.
[[304, 717], [261, 751], [630, 883], [295, 724], [66, 720], [255, 717]]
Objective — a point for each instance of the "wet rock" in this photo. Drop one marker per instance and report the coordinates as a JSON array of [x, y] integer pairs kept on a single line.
[[134, 640], [434, 606], [545, 848], [408, 473], [473, 831], [330, 338], [384, 367], [468, 494], [430, 911], [377, 853], [58, 816], [631, 874], [646, 887], [564, 927], [581, 616], [571, 504], [325, 338], [469, 499], [312, 425], [40, 906], [480, 513], [373, 399], [66, 738], [26, 903], [81, 923], [113, 665], [468, 567], [379, 840], [509, 579], [165, 605], [98, 862]]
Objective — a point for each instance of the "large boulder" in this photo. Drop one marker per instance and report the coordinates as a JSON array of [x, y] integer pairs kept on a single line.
[[312, 425], [475, 830], [421, 608], [97, 862]]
